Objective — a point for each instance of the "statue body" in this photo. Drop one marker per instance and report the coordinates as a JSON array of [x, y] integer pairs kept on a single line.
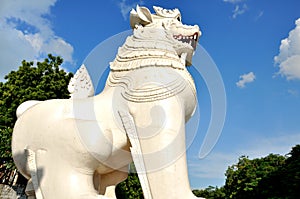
[[80, 148]]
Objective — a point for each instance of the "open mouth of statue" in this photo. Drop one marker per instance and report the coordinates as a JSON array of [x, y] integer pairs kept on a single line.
[[191, 39]]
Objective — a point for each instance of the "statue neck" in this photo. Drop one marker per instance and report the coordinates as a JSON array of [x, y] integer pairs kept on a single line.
[[144, 55]]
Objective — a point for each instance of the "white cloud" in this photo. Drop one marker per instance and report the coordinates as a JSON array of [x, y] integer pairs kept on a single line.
[[26, 33], [126, 6], [260, 14], [288, 58], [244, 79], [293, 92], [239, 10], [212, 166], [233, 1]]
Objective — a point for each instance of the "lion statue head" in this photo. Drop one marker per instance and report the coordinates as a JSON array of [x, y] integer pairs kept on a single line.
[[159, 39]]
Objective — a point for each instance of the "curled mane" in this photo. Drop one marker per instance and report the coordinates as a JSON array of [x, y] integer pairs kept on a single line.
[[147, 47]]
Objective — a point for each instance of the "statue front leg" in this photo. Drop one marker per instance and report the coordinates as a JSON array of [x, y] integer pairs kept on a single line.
[[160, 127]]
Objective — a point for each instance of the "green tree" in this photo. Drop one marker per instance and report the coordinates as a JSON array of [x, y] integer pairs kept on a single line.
[[211, 193], [243, 178], [131, 187], [291, 173], [270, 177], [41, 82], [285, 182]]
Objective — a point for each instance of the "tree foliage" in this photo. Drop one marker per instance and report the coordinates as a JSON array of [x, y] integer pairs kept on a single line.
[[131, 187], [291, 173], [210, 193], [284, 183], [42, 81], [270, 177], [244, 177]]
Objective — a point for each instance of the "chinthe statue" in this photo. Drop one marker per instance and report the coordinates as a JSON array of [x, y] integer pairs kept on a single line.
[[80, 148]]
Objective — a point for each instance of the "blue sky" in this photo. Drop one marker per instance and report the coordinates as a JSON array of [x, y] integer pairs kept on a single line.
[[255, 45]]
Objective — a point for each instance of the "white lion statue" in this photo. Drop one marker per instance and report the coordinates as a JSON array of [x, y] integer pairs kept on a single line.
[[80, 148]]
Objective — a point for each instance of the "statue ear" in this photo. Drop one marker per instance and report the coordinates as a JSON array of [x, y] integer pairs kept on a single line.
[[141, 16]]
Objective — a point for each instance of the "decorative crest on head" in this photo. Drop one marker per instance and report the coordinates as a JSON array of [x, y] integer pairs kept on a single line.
[[141, 15], [166, 12]]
